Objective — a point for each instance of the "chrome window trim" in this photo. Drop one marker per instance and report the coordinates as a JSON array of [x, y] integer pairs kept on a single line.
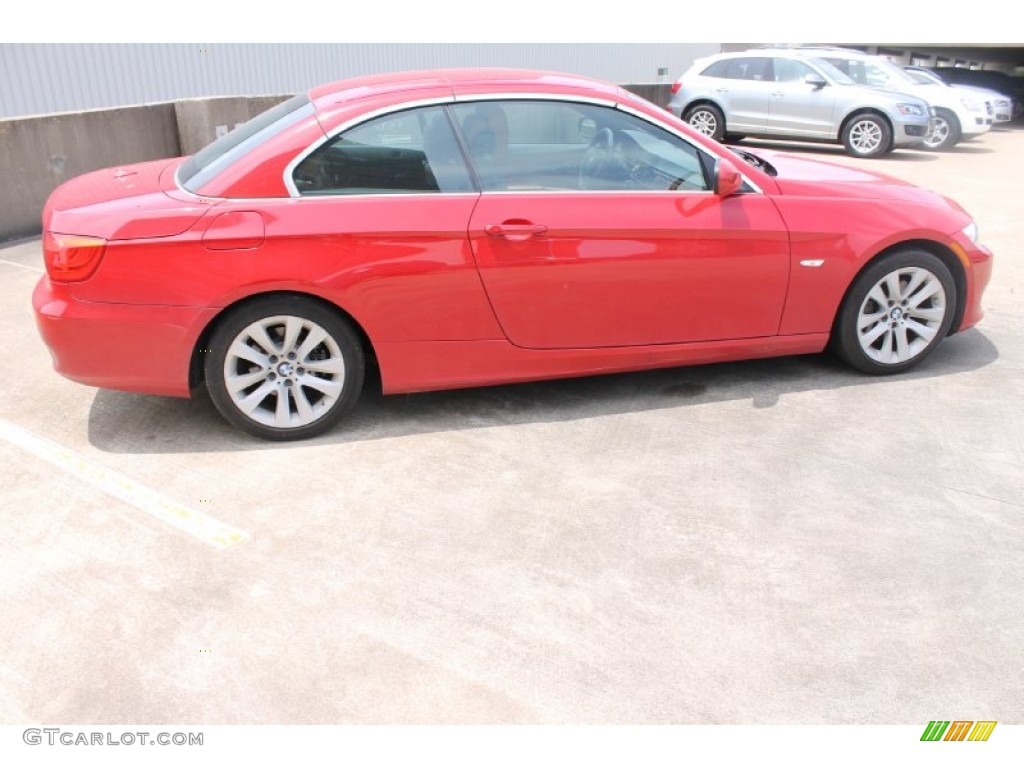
[[365, 117], [293, 192]]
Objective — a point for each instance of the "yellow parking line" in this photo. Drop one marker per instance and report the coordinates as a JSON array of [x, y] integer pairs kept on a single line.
[[192, 522]]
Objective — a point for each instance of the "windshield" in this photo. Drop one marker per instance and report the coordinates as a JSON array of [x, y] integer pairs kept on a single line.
[[836, 75], [922, 78], [215, 157], [899, 76]]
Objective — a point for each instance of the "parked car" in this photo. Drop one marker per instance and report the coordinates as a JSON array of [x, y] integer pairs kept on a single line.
[[789, 94], [957, 115], [999, 105], [469, 227], [999, 81]]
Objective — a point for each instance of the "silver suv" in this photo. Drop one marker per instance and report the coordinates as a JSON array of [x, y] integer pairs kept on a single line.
[[787, 94]]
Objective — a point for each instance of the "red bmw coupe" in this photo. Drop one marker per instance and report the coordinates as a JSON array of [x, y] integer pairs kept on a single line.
[[472, 227]]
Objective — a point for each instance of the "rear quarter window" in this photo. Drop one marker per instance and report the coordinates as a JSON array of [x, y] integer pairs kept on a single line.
[[232, 146], [750, 68], [717, 69]]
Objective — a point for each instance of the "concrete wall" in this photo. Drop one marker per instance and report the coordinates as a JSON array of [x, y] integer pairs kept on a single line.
[[659, 94], [39, 153], [200, 121]]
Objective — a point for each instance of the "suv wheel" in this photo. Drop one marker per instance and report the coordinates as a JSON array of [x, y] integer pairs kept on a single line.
[[946, 132], [867, 135], [707, 119]]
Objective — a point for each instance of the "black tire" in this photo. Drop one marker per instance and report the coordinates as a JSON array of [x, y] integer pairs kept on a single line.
[[905, 331], [706, 119], [947, 133], [313, 400], [867, 135]]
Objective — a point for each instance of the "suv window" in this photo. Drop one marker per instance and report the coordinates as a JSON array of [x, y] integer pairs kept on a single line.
[[567, 146], [717, 69], [790, 71], [750, 68], [864, 72], [404, 152]]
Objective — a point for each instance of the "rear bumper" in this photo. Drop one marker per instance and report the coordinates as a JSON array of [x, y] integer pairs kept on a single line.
[[132, 347]]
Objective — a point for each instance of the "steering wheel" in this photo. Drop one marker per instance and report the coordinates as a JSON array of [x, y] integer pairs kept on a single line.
[[598, 160]]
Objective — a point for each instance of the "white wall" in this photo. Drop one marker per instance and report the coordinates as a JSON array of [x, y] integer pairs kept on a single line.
[[45, 78]]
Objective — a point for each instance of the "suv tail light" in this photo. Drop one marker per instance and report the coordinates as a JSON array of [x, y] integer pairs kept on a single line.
[[70, 258], [677, 86]]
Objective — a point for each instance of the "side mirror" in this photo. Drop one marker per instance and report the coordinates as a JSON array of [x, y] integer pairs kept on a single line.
[[727, 180], [816, 80]]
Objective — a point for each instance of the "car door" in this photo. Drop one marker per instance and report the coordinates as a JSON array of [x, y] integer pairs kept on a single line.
[[744, 91], [797, 107], [381, 221], [596, 228]]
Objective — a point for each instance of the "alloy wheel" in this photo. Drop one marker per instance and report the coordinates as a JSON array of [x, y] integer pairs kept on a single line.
[[284, 371], [704, 122], [866, 136], [901, 315]]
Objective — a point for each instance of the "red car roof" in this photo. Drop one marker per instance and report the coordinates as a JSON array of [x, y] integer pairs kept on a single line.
[[457, 79]]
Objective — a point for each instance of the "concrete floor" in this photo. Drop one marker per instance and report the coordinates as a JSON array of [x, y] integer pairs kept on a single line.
[[779, 541]]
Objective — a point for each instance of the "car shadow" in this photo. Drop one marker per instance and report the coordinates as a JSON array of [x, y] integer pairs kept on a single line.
[[969, 149], [830, 150], [122, 422]]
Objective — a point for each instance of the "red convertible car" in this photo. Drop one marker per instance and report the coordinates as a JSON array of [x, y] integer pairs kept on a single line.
[[469, 227]]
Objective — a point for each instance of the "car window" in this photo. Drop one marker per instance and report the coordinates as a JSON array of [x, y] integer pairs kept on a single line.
[[838, 76], [567, 146], [924, 78], [215, 157], [865, 73], [750, 68], [789, 71], [413, 151], [717, 69]]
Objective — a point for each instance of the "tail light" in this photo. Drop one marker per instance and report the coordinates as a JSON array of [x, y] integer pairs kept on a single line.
[[70, 258], [676, 87]]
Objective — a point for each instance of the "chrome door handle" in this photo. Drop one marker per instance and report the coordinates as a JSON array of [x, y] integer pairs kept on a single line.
[[517, 231]]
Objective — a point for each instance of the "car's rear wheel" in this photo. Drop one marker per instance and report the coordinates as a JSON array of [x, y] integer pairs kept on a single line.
[[946, 133], [896, 312], [707, 119], [867, 135], [284, 368]]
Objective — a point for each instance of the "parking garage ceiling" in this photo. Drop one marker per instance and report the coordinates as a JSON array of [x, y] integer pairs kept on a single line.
[[1002, 56]]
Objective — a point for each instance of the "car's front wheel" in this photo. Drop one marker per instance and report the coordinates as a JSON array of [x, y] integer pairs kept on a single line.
[[707, 119], [867, 135], [896, 312], [284, 368], [946, 132]]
